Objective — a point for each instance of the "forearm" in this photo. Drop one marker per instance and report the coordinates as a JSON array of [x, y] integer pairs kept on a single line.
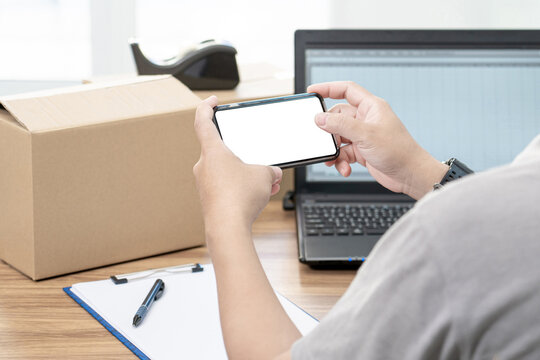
[[254, 324]]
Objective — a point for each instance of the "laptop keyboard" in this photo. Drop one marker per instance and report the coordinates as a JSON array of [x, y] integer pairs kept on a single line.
[[351, 219]]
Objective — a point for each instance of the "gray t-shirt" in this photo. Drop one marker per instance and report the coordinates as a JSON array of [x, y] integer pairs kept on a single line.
[[458, 277]]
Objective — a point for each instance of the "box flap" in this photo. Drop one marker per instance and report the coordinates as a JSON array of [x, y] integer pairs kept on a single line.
[[100, 102]]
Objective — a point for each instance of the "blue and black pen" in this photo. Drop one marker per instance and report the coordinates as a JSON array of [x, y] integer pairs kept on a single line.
[[155, 293]]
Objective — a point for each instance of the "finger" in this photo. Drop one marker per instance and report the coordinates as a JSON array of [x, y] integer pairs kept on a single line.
[[343, 168], [352, 92], [348, 154], [330, 163], [277, 175], [340, 124], [346, 157], [270, 174], [205, 128], [345, 141], [275, 189], [342, 140], [338, 140], [343, 109]]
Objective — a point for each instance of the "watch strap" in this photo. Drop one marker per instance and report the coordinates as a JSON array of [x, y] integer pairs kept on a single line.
[[456, 171]]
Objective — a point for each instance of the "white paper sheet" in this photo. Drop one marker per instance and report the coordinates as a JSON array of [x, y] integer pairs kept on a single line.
[[182, 324]]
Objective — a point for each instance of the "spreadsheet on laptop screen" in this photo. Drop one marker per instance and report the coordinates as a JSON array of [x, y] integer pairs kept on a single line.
[[480, 106]]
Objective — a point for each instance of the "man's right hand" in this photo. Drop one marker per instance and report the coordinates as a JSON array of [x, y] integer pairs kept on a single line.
[[371, 134]]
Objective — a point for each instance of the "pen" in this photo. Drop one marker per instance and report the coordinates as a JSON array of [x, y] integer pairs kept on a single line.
[[155, 293]]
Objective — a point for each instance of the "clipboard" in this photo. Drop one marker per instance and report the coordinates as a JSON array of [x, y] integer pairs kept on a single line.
[[184, 323]]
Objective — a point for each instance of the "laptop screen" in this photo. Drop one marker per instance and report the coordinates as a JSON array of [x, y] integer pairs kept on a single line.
[[481, 106]]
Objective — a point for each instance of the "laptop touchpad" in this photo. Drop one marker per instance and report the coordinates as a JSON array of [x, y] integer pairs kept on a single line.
[[342, 247]]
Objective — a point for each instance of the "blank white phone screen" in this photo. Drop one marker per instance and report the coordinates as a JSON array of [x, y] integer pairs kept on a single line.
[[275, 133]]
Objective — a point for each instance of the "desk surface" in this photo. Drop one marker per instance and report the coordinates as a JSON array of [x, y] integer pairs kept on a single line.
[[39, 321]]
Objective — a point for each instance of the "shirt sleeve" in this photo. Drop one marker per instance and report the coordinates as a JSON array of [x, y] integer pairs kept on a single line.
[[394, 308], [530, 153]]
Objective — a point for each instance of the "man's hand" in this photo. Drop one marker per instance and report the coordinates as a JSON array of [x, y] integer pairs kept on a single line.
[[372, 135], [253, 322], [229, 189]]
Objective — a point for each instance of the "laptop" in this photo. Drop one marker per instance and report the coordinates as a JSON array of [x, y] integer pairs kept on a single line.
[[473, 95]]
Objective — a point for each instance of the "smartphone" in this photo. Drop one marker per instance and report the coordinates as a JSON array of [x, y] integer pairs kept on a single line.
[[278, 131]]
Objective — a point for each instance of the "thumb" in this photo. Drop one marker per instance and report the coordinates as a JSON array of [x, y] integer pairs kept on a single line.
[[340, 124]]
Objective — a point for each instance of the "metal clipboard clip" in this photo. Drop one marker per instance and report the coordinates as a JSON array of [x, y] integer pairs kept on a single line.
[[125, 278]]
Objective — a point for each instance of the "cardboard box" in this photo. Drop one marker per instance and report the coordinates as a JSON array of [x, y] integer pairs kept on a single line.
[[97, 174], [258, 80]]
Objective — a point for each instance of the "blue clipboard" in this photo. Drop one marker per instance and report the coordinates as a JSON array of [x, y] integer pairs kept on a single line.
[[302, 319], [106, 325]]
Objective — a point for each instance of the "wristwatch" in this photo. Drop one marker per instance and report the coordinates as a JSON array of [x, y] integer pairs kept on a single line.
[[457, 170]]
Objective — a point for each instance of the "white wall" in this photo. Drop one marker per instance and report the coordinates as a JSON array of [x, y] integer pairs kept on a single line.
[[443, 14], [59, 39], [44, 39], [112, 23], [260, 30]]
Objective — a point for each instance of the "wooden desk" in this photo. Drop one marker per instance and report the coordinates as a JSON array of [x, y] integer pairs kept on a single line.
[[39, 321]]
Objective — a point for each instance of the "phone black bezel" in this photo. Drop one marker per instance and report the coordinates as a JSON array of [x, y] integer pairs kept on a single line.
[[289, 164]]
